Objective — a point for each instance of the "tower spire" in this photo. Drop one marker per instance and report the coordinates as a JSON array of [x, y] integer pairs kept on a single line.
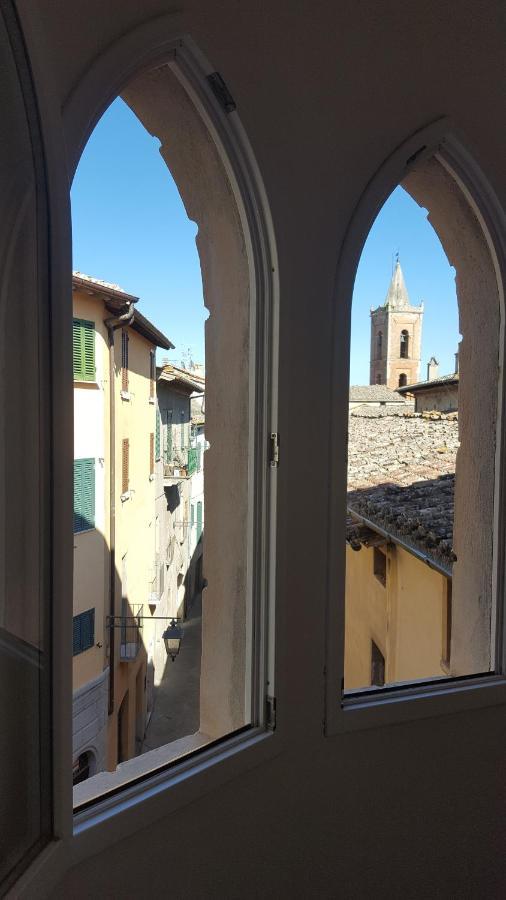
[[397, 295]]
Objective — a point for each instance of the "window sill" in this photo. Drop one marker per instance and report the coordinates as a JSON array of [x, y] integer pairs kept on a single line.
[[125, 395], [81, 383], [126, 496], [405, 703], [138, 805], [84, 530], [152, 400]]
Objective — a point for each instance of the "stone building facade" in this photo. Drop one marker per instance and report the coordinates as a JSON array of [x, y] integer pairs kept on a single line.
[[396, 337]]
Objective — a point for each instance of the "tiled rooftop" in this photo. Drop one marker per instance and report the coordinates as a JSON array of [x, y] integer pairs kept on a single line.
[[401, 473], [367, 393]]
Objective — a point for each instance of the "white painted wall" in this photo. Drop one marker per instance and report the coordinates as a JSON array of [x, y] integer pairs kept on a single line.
[[325, 94]]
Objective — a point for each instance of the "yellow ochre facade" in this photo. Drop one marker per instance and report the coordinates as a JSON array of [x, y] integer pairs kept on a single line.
[[109, 715]]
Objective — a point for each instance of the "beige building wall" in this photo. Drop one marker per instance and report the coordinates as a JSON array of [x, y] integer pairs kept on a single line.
[[91, 548], [442, 399], [135, 536], [406, 618]]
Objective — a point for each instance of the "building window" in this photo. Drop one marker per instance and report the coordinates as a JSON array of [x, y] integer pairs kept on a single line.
[[377, 666], [82, 768], [152, 374], [125, 454], [124, 360], [84, 494], [199, 519], [83, 348], [380, 344], [380, 566], [83, 632], [378, 379], [403, 379], [168, 435], [404, 345], [151, 454]]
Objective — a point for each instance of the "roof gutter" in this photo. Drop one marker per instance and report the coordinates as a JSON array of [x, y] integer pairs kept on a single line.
[[112, 324], [394, 539]]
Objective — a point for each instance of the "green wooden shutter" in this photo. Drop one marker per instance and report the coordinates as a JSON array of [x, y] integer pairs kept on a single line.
[[84, 494], [83, 347], [168, 436], [83, 631]]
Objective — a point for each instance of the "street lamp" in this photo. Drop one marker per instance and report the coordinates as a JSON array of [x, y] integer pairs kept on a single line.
[[172, 638]]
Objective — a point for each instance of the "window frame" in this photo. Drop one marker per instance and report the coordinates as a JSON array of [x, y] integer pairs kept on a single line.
[[78, 837], [378, 707]]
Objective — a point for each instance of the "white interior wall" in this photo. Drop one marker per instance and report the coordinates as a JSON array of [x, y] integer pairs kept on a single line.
[[325, 92]]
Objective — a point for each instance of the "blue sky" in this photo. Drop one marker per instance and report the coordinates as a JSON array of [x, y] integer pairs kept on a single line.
[[130, 227]]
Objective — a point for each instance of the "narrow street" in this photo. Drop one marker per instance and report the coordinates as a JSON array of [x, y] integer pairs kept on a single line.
[[176, 710]]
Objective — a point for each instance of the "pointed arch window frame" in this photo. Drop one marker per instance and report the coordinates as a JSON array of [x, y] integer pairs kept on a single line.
[[416, 700]]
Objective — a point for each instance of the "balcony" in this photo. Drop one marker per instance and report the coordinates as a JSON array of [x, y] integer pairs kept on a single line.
[[181, 467], [130, 632]]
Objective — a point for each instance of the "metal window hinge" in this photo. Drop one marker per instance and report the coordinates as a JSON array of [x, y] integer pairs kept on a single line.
[[221, 92], [274, 449], [270, 713]]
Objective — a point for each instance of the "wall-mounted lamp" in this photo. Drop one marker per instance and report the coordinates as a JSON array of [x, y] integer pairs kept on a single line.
[[172, 637]]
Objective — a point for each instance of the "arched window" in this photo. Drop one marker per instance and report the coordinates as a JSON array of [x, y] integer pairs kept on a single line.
[[404, 348], [380, 344], [403, 379]]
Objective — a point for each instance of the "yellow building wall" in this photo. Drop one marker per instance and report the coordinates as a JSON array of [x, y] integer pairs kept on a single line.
[[406, 619], [135, 531], [91, 548], [365, 617], [135, 515]]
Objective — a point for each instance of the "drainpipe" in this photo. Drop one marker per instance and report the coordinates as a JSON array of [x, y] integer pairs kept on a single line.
[[112, 324]]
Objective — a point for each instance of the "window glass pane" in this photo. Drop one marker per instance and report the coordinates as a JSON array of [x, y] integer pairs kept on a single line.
[[25, 805], [421, 437], [172, 660]]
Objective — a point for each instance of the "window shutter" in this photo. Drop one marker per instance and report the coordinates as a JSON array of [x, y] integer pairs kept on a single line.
[[168, 436], [124, 465], [83, 632], [151, 454], [83, 349], [84, 494], [76, 635], [157, 435]]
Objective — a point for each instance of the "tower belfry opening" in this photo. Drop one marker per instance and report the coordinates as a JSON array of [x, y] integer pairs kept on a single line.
[[396, 336]]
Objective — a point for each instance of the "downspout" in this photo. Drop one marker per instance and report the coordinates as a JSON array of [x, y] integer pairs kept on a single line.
[[113, 323]]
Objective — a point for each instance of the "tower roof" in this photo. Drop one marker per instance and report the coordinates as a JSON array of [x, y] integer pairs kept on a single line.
[[397, 296]]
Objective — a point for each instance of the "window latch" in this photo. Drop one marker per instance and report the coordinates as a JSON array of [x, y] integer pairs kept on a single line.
[[274, 449]]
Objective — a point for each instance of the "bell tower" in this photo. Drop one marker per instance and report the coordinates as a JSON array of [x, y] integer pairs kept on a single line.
[[396, 336]]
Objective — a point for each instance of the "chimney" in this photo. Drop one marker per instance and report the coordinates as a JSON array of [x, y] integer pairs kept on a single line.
[[456, 362], [432, 368]]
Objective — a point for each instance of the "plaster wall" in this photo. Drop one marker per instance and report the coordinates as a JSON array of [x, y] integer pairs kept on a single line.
[[91, 548], [325, 95], [404, 618], [444, 399], [479, 321]]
